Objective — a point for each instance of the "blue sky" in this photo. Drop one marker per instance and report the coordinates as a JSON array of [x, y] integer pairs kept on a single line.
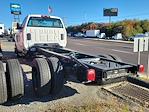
[[75, 12]]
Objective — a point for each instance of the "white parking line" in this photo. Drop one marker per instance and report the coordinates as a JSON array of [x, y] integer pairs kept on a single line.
[[105, 44], [122, 51], [81, 44]]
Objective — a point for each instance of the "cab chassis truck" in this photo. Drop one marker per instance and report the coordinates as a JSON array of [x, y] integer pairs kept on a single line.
[[51, 63]]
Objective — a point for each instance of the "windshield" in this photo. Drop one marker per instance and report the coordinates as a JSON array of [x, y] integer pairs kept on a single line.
[[45, 22]]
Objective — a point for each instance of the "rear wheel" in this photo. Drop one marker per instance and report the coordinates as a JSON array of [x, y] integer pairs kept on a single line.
[[3, 86], [41, 76], [57, 75], [14, 75]]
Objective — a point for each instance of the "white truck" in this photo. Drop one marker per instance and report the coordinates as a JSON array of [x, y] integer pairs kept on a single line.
[[118, 36], [92, 33], [40, 30], [51, 64], [102, 36], [1, 30]]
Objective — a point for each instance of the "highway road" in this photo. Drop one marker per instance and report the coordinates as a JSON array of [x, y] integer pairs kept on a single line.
[[95, 47]]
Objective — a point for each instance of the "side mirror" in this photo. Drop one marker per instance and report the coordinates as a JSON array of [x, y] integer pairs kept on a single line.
[[19, 26], [28, 36]]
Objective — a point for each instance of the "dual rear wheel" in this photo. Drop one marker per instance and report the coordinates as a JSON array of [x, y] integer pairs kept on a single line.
[[11, 81], [47, 76]]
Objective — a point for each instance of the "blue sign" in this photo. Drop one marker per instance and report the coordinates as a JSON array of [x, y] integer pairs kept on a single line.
[[15, 8]]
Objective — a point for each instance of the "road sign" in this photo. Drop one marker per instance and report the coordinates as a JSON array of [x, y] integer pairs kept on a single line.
[[146, 46], [15, 8], [141, 44], [136, 45]]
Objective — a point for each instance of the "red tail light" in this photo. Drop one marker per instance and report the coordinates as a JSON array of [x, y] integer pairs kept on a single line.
[[141, 68], [91, 75]]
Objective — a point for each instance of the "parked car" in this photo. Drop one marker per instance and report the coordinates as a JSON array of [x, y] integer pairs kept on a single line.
[[79, 34], [69, 34], [92, 33], [102, 36], [137, 36], [131, 38], [118, 36]]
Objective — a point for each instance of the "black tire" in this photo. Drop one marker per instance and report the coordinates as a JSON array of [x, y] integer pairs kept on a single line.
[[57, 75], [14, 78], [41, 77], [3, 86]]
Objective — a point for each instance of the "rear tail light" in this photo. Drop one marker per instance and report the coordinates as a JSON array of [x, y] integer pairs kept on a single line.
[[91, 75], [141, 68]]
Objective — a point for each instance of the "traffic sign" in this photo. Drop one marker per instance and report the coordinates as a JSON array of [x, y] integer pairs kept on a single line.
[[15, 8], [141, 44]]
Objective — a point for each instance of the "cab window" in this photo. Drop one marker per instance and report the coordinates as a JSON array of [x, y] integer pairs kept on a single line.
[[45, 22]]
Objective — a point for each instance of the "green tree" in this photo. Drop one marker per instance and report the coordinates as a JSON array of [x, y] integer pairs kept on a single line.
[[145, 26]]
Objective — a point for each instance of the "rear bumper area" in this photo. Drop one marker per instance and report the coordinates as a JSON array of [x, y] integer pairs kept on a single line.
[[112, 80]]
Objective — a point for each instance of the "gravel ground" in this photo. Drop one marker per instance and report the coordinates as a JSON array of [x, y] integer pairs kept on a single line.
[[74, 96]]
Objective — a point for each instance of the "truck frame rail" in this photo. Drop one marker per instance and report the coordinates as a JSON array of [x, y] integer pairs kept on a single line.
[[90, 68]]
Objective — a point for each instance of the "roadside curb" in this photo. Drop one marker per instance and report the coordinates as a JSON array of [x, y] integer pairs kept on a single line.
[[118, 41], [138, 81]]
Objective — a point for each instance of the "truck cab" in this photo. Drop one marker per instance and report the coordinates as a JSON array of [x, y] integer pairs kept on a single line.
[[39, 30]]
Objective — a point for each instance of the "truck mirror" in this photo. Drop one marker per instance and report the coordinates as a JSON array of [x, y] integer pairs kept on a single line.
[[19, 26], [28, 36]]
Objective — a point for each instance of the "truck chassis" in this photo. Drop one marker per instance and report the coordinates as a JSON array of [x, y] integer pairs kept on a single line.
[[51, 65], [100, 69]]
